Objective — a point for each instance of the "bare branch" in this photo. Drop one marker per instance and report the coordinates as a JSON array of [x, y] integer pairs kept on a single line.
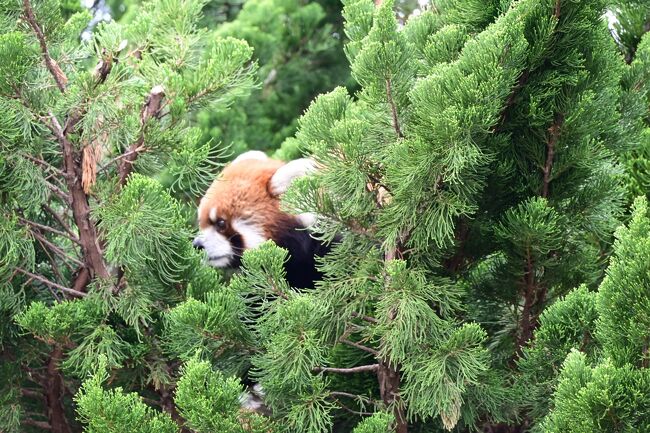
[[58, 192], [52, 284], [32, 393], [55, 269], [352, 411], [60, 220], [554, 136], [366, 318], [43, 164], [49, 229], [351, 370], [118, 158], [88, 238], [359, 346], [393, 108], [55, 249], [43, 425]]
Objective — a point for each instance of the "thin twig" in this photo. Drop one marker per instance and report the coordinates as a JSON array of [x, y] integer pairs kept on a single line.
[[393, 108], [359, 346], [352, 411], [43, 425], [32, 393], [50, 229], [43, 163], [55, 249], [59, 192], [366, 318], [60, 220], [554, 135], [55, 269], [117, 158], [151, 108], [52, 283], [351, 370], [354, 396]]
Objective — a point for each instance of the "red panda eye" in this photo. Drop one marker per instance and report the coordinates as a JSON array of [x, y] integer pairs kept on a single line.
[[221, 224]]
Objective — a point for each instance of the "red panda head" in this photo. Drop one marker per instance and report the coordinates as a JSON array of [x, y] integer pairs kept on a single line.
[[241, 209]]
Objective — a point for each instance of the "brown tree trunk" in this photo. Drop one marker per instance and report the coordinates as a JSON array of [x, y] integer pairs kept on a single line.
[[168, 405], [54, 392], [387, 375], [389, 383]]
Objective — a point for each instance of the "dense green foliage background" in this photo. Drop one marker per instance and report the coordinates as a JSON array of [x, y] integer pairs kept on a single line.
[[484, 167]]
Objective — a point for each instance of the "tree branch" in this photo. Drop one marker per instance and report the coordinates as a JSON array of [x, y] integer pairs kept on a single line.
[[43, 425], [31, 393], [59, 193], [50, 229], [393, 108], [52, 66], [43, 164], [366, 318], [52, 284], [521, 82], [352, 411], [351, 370], [151, 108], [60, 220], [88, 238], [54, 391], [118, 158], [55, 249], [55, 269], [554, 135], [359, 346]]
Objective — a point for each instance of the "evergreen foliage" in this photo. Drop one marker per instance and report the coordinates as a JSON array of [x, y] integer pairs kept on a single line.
[[94, 247], [611, 394], [637, 103], [470, 186], [299, 48]]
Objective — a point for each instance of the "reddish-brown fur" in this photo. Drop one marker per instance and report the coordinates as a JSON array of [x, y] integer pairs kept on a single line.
[[242, 192]]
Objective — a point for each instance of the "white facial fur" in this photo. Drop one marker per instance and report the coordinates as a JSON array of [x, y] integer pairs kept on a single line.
[[251, 233], [218, 249]]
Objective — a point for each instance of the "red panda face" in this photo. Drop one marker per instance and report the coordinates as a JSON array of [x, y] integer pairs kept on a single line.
[[241, 209]]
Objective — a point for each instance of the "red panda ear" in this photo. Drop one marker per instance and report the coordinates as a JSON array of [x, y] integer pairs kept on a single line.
[[251, 154], [280, 181]]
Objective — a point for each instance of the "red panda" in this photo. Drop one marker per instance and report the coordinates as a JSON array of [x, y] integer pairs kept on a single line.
[[241, 209]]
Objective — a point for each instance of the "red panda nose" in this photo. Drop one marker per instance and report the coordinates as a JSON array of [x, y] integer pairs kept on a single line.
[[197, 243]]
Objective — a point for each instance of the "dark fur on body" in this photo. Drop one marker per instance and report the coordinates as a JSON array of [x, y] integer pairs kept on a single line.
[[303, 250]]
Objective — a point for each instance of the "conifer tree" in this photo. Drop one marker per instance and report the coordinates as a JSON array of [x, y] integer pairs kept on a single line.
[[636, 84], [92, 248], [630, 21], [472, 179], [477, 166], [610, 392]]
